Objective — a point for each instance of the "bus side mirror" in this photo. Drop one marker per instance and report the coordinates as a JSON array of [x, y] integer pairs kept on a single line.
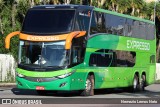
[[8, 38]]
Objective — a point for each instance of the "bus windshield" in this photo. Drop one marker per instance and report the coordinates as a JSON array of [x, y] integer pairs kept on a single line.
[[48, 21], [44, 54]]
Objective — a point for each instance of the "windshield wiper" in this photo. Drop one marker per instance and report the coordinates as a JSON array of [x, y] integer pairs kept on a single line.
[[61, 67]]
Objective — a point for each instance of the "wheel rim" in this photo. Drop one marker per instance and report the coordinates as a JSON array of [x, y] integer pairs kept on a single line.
[[143, 81], [135, 83], [88, 85]]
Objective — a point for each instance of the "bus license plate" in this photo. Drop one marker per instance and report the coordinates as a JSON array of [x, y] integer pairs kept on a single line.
[[39, 88]]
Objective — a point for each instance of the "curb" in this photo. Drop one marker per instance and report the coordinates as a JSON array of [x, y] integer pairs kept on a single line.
[[7, 84]]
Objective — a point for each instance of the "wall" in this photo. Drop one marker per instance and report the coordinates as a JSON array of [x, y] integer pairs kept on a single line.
[[7, 68]]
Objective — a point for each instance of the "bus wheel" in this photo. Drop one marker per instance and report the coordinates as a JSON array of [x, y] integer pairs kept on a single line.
[[89, 86], [135, 84], [143, 81]]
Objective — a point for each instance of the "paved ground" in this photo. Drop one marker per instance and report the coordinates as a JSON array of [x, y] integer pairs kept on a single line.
[[152, 91]]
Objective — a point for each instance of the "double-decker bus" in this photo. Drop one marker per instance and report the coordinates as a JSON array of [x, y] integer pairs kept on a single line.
[[76, 47]]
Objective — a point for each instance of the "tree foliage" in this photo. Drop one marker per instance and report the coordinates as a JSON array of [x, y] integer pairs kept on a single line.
[[12, 13]]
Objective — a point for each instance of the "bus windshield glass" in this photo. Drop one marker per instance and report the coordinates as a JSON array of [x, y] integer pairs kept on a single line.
[[48, 21], [44, 54]]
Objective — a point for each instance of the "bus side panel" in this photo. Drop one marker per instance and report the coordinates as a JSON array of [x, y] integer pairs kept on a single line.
[[78, 79], [150, 78], [123, 76]]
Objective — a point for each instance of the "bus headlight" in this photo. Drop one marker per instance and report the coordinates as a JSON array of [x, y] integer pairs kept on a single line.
[[65, 75], [19, 75]]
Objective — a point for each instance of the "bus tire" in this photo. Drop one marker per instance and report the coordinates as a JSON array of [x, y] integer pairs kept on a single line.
[[142, 82], [135, 86], [89, 86]]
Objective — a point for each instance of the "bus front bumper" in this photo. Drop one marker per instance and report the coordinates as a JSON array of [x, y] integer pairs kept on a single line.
[[59, 84]]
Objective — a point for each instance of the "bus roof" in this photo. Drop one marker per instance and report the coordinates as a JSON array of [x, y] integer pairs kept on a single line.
[[63, 7], [89, 7], [123, 15]]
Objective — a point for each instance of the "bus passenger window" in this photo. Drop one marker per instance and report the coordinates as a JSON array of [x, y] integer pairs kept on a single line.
[[150, 31], [142, 30], [100, 60], [97, 23], [115, 24], [93, 60], [128, 27]]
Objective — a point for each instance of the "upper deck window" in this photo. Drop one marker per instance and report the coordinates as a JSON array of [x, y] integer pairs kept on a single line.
[[82, 20], [48, 21]]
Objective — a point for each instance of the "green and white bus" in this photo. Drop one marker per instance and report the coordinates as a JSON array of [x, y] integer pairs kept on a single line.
[[76, 47]]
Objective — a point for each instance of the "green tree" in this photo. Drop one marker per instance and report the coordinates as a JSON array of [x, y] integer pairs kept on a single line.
[[75, 2], [1, 9], [136, 5], [113, 4], [150, 11], [9, 24], [158, 9], [123, 6]]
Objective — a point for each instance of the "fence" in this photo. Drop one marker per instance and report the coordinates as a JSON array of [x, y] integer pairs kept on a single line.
[[7, 68]]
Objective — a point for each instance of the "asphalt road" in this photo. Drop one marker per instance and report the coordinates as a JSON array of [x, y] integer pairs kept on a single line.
[[151, 92]]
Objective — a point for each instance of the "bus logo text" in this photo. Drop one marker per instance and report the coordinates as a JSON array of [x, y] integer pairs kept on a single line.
[[42, 38], [132, 44]]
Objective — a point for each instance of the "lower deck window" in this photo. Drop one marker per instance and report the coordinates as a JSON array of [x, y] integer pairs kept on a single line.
[[113, 58]]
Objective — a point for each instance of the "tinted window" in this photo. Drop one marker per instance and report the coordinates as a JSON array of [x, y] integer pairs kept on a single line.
[[97, 23], [100, 60], [77, 50], [76, 54], [128, 27], [150, 31], [113, 58], [82, 20], [135, 29], [125, 58], [142, 30], [115, 24], [121, 26], [48, 21], [139, 29], [93, 28]]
